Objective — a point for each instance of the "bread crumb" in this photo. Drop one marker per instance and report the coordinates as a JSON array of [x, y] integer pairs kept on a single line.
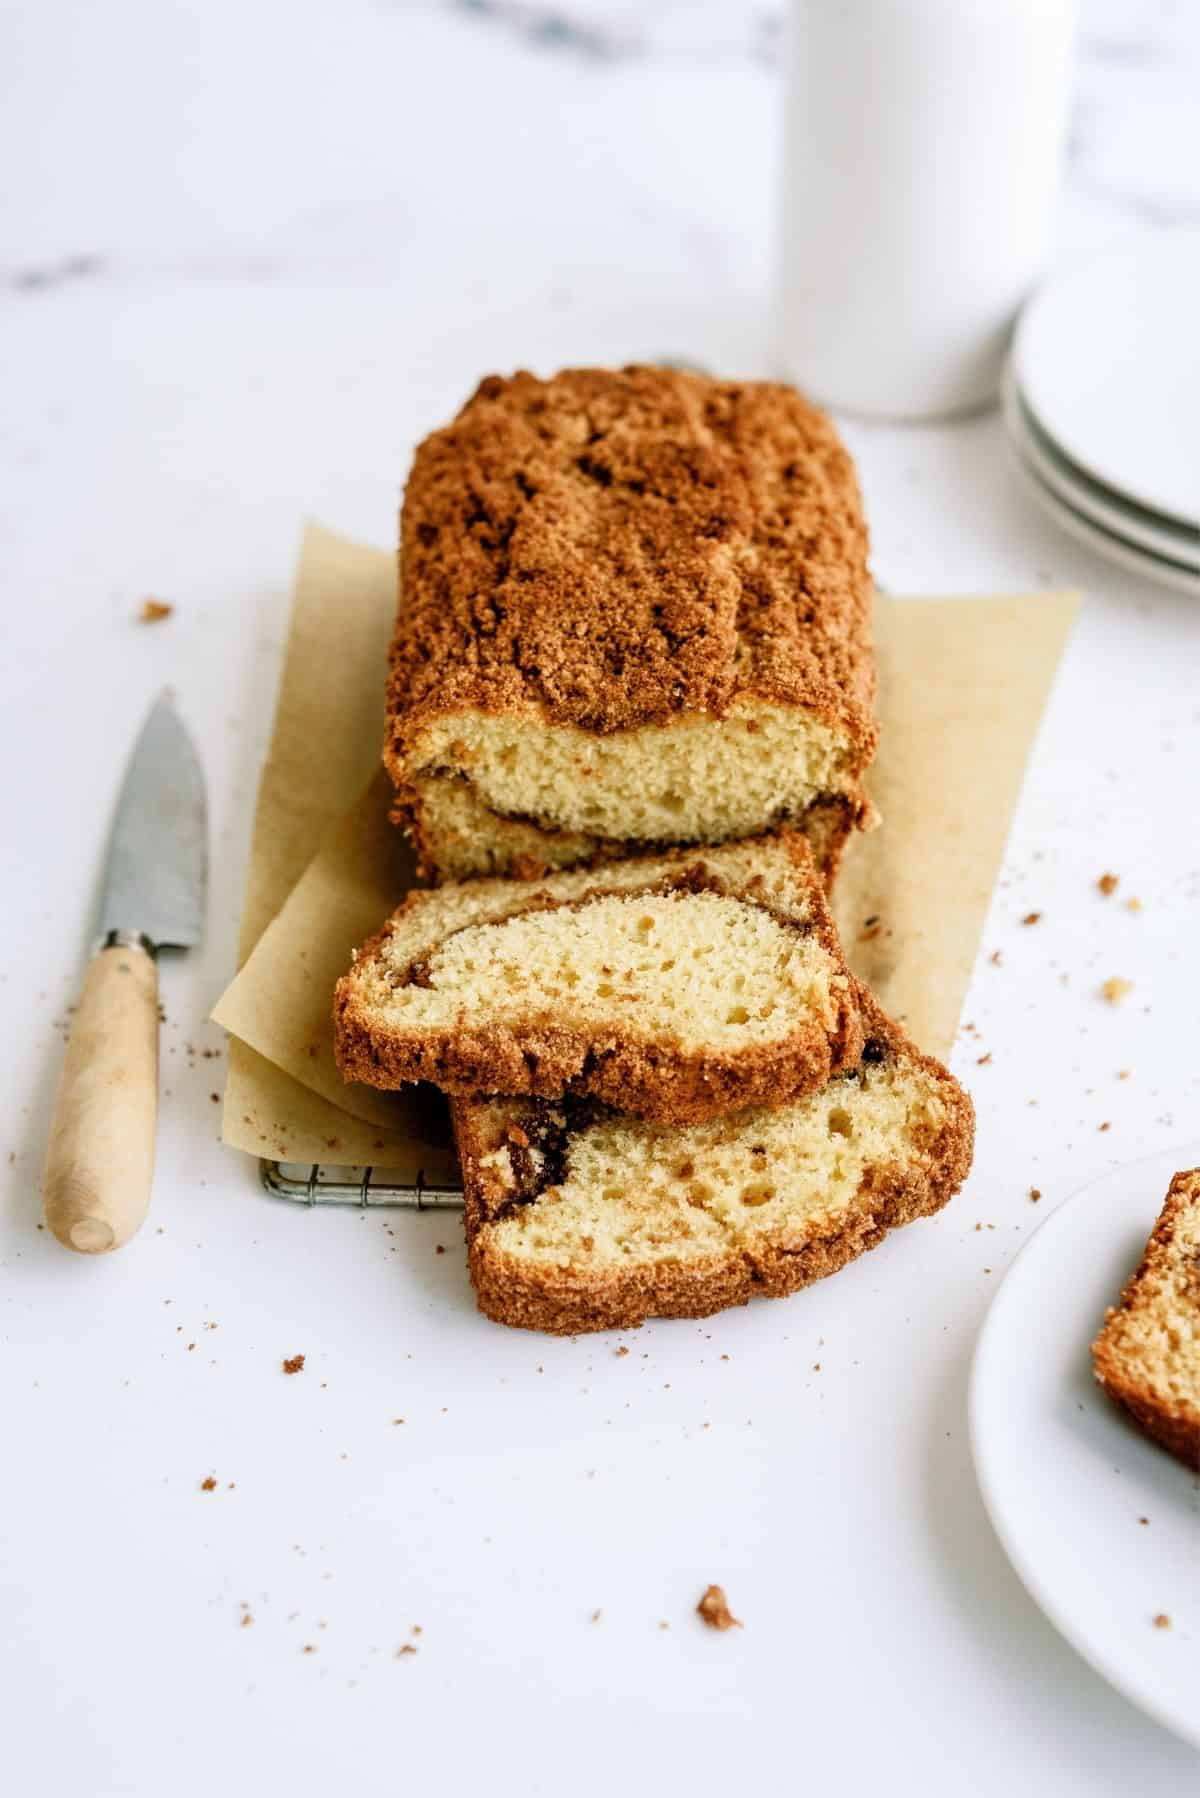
[[154, 611], [1115, 989], [1108, 884], [714, 1609], [1162, 1621], [309, 1648], [1133, 905], [981, 1061], [996, 959], [1032, 917], [208, 1485], [620, 1351], [1143, 1520], [1106, 1125], [596, 1616], [247, 1620], [406, 1648], [1035, 1193], [294, 1364]]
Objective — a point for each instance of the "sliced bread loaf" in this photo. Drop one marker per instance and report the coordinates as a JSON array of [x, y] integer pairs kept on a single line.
[[676, 987], [580, 1218], [635, 611], [1147, 1356]]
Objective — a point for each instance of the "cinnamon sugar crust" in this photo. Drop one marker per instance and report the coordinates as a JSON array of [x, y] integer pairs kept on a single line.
[[613, 552], [681, 1231], [678, 987]]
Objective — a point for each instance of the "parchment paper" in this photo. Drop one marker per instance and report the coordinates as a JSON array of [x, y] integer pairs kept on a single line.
[[324, 747], [963, 683]]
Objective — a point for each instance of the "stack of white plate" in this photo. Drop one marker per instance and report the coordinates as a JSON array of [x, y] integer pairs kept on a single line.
[[1102, 404]]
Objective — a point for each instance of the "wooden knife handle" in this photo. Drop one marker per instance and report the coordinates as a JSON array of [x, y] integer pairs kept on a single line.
[[101, 1156]]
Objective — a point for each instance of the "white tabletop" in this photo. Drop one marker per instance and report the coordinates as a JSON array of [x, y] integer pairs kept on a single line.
[[253, 252]]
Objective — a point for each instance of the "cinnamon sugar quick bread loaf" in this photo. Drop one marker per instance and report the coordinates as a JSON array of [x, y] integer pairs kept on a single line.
[[1147, 1356], [677, 987], [581, 1218], [635, 611]]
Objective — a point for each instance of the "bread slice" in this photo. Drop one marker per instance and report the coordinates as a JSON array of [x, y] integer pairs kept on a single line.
[[1147, 1356], [677, 986], [457, 836], [635, 611], [579, 1218]]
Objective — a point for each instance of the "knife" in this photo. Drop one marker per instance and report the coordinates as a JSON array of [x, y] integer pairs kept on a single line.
[[100, 1162]]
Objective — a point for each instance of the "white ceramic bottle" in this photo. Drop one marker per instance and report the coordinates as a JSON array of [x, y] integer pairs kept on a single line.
[[922, 140]]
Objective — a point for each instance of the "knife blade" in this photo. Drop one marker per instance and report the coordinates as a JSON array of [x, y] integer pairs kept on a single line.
[[157, 872], [100, 1160]]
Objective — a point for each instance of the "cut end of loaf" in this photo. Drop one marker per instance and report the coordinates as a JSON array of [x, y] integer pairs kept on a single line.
[[485, 790]]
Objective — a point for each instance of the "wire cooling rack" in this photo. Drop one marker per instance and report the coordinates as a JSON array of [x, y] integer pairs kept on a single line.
[[317, 1184]]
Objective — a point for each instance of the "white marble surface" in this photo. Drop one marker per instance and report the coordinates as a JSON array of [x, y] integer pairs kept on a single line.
[[251, 252]]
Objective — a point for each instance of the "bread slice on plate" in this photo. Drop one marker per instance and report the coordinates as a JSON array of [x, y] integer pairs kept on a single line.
[[677, 987], [581, 1218], [1147, 1356], [635, 610]]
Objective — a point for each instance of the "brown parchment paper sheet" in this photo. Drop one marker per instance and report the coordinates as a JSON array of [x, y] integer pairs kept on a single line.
[[325, 745], [963, 683]]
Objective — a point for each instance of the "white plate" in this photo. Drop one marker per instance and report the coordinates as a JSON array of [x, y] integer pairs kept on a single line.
[[1106, 543], [1144, 530], [1065, 1476], [1106, 359]]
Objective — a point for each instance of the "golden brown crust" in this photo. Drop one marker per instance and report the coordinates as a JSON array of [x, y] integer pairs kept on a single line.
[[658, 1080], [567, 1301], [1173, 1424], [610, 548], [667, 1086]]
